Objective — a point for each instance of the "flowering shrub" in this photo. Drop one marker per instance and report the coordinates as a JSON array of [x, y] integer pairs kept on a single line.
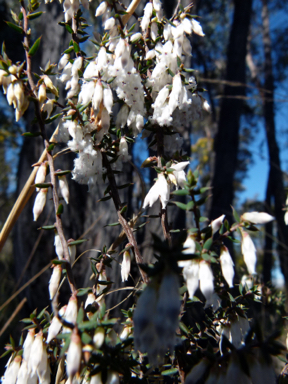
[[190, 320]]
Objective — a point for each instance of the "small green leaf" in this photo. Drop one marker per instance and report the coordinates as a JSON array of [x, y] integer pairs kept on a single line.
[[34, 47], [124, 209], [14, 26], [51, 119], [31, 134], [207, 244], [62, 173], [43, 185], [76, 47], [169, 372], [68, 50], [86, 339], [112, 224], [47, 227], [202, 219], [179, 62], [68, 28], [180, 205], [190, 205], [50, 147], [60, 209], [170, 72], [181, 192], [77, 242], [35, 15], [236, 216]]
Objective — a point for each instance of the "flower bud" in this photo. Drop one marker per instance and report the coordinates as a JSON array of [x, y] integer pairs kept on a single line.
[[125, 266], [39, 203], [48, 107], [257, 217], [74, 355], [99, 337], [12, 69], [19, 93], [41, 174], [71, 311], [77, 65], [55, 325], [64, 188], [196, 27], [55, 280], [10, 94], [108, 99], [63, 61], [58, 246], [135, 37], [109, 24], [42, 94], [216, 224], [101, 8], [72, 250], [28, 344]]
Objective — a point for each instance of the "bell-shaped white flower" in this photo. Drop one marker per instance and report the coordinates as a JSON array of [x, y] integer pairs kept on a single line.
[[286, 217], [99, 337], [58, 246], [249, 252], [96, 379], [109, 24], [55, 325], [135, 37], [10, 375], [41, 174], [227, 265], [36, 353], [98, 95], [206, 280], [257, 217], [101, 8], [28, 344], [39, 203], [160, 190], [216, 224], [71, 312], [179, 174], [108, 99], [54, 280], [196, 27], [64, 188], [191, 276], [74, 355], [125, 266]]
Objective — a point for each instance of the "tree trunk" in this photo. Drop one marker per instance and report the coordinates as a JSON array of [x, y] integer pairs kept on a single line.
[[275, 180], [227, 138]]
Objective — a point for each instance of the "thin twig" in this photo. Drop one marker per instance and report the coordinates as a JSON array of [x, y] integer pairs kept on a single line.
[[11, 318]]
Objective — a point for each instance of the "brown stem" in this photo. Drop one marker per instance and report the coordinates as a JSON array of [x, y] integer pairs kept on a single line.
[[126, 227], [58, 223]]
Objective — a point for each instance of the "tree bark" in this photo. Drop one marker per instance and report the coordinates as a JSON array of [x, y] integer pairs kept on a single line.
[[227, 138]]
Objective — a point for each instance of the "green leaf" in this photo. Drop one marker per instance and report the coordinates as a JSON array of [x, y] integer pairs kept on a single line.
[[170, 72], [14, 26], [180, 205], [86, 339], [184, 328], [202, 219], [179, 62], [236, 216], [47, 227], [181, 192], [68, 50], [50, 147], [169, 372], [207, 244], [83, 291], [190, 205], [34, 47], [77, 242], [76, 47], [62, 173], [51, 119], [60, 209], [31, 134], [207, 257], [112, 224], [43, 185], [35, 15]]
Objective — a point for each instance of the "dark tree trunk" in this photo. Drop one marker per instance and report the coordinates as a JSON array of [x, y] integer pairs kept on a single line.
[[227, 138], [275, 180]]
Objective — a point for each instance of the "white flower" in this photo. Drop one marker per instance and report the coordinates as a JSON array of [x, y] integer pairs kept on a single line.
[[108, 99], [216, 224], [36, 353], [135, 37], [160, 190], [197, 27], [206, 280], [23, 374], [154, 31], [257, 217], [54, 281], [109, 24], [28, 344], [150, 54], [77, 65], [71, 311], [99, 337], [101, 8], [98, 95], [157, 5], [41, 174], [125, 266], [286, 217], [63, 61], [179, 174], [74, 354], [96, 379], [39, 203], [58, 246], [11, 372], [123, 150], [64, 188], [191, 276], [55, 325], [227, 265], [112, 377], [148, 10], [189, 248], [249, 253]]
